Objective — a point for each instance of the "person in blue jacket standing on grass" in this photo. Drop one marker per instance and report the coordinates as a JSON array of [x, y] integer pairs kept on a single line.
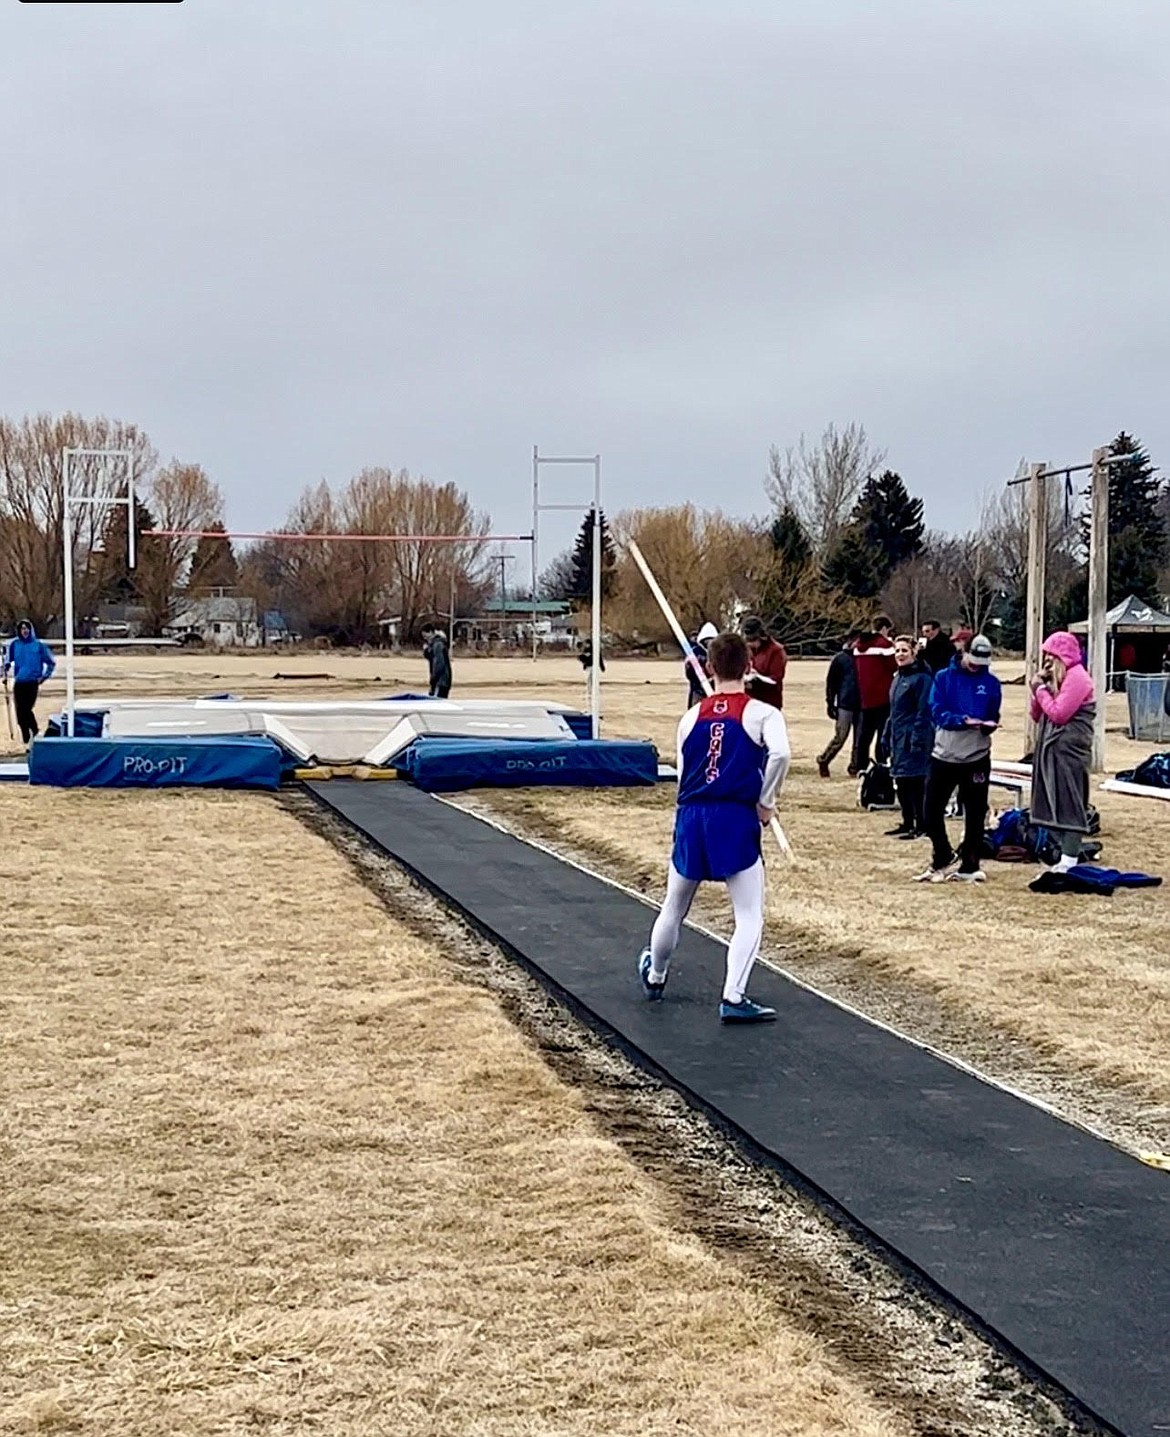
[[965, 702], [31, 663]]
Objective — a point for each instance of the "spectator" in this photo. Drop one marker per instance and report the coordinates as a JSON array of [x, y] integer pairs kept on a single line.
[[438, 662], [31, 663], [1064, 707], [875, 672], [843, 704], [765, 679], [965, 702], [910, 736], [938, 650], [695, 691], [586, 657]]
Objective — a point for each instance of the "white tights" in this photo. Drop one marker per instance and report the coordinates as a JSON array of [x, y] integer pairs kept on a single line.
[[747, 902]]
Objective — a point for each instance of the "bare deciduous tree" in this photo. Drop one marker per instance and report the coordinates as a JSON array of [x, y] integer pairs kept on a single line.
[[706, 563], [821, 481], [181, 496]]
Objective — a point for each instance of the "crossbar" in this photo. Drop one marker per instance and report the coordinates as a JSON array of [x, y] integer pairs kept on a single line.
[[345, 538]]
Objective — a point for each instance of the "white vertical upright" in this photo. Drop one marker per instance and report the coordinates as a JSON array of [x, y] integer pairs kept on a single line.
[[535, 529], [1098, 596], [70, 501], [67, 550], [595, 617]]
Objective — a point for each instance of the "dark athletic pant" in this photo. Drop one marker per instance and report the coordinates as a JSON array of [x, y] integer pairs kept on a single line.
[[971, 781], [24, 698], [911, 798], [872, 726]]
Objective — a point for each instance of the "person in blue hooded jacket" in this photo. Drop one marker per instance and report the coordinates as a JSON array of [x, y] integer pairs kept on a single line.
[[965, 703], [30, 663]]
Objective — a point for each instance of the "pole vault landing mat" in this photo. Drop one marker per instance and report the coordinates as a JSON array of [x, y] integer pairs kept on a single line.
[[1053, 1239]]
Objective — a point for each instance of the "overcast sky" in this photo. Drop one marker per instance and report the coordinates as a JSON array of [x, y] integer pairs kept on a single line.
[[291, 238]]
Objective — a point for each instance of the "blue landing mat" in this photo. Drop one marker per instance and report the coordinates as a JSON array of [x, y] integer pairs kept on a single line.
[[220, 761], [1055, 1240]]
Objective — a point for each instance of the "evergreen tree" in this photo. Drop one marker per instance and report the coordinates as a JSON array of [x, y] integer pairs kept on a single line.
[[214, 564], [582, 587], [117, 582], [790, 542], [1137, 531], [854, 566], [890, 520]]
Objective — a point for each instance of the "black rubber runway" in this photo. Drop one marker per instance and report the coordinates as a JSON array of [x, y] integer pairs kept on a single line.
[[1055, 1240]]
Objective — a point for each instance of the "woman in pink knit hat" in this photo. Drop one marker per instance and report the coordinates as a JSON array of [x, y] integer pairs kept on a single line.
[[1064, 707]]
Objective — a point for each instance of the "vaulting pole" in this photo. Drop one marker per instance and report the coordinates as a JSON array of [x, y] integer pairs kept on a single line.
[[684, 643]]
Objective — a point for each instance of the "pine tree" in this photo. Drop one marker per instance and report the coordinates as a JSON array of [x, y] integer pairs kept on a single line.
[[1137, 531], [582, 586], [117, 582], [790, 543], [890, 520], [214, 565], [854, 566]]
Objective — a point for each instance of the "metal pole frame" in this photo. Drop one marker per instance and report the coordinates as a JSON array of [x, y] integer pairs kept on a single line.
[[595, 625], [1037, 581], [1098, 599], [69, 502]]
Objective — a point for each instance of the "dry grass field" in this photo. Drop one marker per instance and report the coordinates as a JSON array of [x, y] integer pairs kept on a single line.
[[270, 1165]]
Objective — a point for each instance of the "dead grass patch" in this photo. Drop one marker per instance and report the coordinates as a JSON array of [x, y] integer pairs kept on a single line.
[[269, 1164]]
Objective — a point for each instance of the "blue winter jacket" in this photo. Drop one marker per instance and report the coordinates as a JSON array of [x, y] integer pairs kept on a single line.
[[957, 695], [30, 661], [910, 727]]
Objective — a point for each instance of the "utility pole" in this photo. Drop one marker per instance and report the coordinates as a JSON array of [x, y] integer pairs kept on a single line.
[[1037, 580], [1098, 598]]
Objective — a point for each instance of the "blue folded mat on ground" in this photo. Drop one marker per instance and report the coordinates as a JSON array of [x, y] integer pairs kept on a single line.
[[446, 765], [206, 761]]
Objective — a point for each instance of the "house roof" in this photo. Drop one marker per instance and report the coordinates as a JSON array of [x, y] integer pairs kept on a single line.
[[197, 613], [1131, 616], [527, 606]]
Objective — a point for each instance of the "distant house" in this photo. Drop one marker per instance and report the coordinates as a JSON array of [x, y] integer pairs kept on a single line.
[[518, 619], [224, 621]]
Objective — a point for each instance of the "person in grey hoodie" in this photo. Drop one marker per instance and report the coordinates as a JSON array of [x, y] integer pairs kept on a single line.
[[31, 663]]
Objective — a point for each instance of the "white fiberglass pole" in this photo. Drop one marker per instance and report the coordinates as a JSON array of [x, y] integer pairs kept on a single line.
[[668, 614], [67, 552]]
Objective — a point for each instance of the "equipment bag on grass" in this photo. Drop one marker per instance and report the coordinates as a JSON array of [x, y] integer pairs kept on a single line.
[[876, 789]]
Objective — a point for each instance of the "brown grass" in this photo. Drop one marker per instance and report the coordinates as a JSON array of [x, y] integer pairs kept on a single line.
[[268, 1164]]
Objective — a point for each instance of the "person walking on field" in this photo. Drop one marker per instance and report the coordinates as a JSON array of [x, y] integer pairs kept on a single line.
[[875, 672], [910, 736], [1064, 706], [843, 705], [31, 663], [769, 662], [732, 757], [438, 662], [965, 704]]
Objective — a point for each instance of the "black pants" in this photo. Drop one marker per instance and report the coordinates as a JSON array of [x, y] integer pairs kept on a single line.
[[24, 698], [911, 798], [971, 781], [871, 727], [441, 690]]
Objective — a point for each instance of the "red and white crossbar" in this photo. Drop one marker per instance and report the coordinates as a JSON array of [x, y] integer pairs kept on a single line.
[[345, 538]]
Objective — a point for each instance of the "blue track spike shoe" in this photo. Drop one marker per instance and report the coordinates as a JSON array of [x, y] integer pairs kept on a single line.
[[745, 1011], [653, 991]]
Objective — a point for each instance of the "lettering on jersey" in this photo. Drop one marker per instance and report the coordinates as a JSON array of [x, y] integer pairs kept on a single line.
[[715, 749]]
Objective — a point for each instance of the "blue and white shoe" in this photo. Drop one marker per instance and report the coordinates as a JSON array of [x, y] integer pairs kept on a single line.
[[653, 991], [745, 1011]]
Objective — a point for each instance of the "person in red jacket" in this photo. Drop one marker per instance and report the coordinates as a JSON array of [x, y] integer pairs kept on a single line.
[[765, 679], [875, 672]]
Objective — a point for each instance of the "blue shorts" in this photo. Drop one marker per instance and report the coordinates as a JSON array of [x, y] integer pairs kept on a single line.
[[714, 840]]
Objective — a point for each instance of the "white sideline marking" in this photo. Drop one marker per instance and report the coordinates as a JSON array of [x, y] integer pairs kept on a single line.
[[955, 1062]]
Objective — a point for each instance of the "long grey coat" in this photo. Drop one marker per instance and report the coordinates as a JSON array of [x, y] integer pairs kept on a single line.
[[1060, 771]]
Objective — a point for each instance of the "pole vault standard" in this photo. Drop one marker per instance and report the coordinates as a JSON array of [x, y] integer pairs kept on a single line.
[[668, 614], [595, 626], [70, 502]]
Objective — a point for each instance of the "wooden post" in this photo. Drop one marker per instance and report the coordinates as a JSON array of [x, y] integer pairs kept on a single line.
[[1037, 579], [1098, 595]]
